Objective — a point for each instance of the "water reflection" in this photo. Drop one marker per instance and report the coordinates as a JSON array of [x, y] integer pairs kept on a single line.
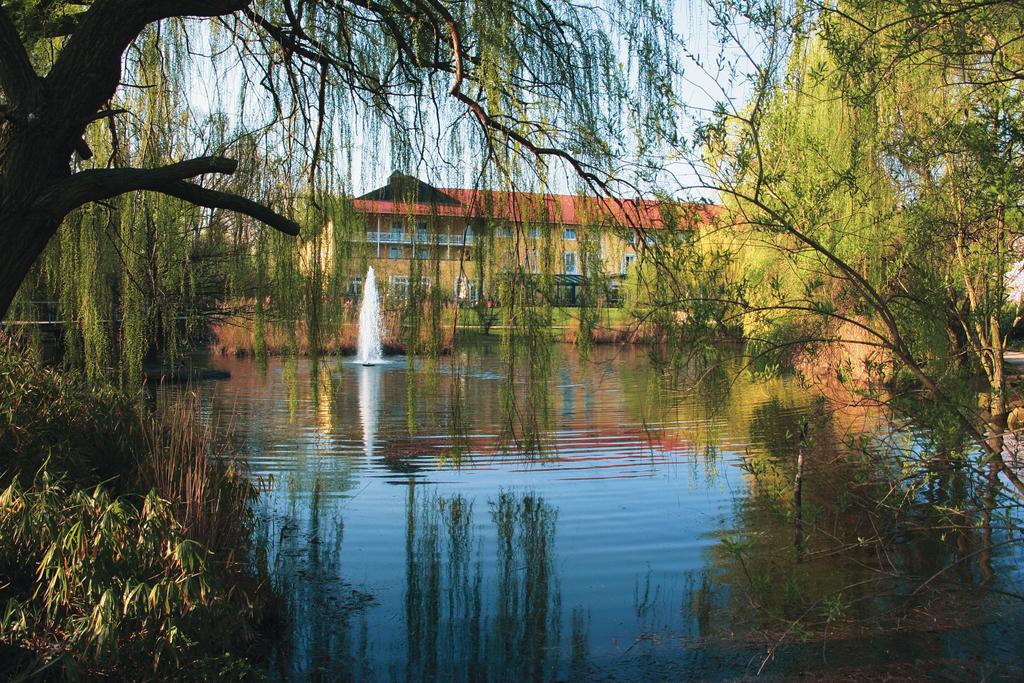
[[464, 623], [653, 540], [369, 403]]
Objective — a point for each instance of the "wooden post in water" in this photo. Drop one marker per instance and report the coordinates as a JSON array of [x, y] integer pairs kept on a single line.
[[798, 517]]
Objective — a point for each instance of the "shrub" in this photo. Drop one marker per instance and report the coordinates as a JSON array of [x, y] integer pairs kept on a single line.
[[90, 433], [126, 551], [118, 587]]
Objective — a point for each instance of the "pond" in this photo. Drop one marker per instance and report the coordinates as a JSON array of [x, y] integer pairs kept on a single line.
[[608, 520]]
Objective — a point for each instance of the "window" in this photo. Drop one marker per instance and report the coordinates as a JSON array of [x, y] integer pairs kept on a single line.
[[627, 261], [423, 253], [464, 289], [469, 234], [569, 234], [396, 230], [534, 233], [421, 231], [395, 252], [631, 237], [506, 231], [355, 287], [401, 284], [569, 260]]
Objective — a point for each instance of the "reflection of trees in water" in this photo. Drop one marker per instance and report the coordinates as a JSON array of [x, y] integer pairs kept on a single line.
[[300, 540], [452, 631], [893, 536]]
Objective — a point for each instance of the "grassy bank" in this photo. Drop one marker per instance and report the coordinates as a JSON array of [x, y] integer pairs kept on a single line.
[[125, 537], [237, 335]]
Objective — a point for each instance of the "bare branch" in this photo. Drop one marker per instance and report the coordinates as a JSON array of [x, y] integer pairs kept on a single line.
[[97, 184]]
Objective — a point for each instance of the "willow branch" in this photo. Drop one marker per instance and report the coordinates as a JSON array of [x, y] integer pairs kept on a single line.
[[98, 184]]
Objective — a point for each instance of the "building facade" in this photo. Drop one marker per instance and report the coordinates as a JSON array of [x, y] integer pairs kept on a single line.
[[419, 234]]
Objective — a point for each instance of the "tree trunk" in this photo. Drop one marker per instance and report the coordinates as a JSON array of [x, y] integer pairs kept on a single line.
[[34, 154]]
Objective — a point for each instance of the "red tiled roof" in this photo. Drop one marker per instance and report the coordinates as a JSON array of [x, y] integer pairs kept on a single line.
[[551, 208]]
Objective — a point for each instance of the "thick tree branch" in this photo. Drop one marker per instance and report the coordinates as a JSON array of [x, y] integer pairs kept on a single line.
[[16, 72], [97, 184], [88, 69], [215, 199]]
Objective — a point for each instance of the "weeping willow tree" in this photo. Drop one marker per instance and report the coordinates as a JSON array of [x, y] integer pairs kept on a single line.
[[871, 182], [146, 144]]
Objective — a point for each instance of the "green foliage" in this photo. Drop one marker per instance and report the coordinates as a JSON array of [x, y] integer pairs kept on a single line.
[[88, 432], [872, 186], [119, 587], [124, 538]]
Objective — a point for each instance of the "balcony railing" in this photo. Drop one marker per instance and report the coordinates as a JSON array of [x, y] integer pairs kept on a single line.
[[448, 240]]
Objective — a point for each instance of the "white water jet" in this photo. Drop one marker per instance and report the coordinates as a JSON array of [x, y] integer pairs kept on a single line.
[[369, 352]]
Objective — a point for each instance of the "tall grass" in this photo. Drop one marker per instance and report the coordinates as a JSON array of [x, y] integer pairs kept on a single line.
[[125, 536], [189, 464], [236, 336]]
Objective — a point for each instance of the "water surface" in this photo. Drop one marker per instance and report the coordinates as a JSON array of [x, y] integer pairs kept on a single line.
[[417, 532]]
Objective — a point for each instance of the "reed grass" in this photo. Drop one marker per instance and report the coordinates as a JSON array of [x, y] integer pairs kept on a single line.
[[125, 536], [235, 336]]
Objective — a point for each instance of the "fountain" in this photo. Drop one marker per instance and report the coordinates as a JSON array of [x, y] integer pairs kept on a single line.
[[369, 352]]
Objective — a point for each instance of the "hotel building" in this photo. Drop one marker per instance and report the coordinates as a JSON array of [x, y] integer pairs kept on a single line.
[[409, 224]]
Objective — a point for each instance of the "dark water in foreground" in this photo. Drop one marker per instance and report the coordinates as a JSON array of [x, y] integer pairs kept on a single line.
[[653, 537]]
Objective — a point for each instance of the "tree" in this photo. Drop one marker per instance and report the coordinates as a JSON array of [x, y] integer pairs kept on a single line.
[[536, 78], [872, 186]]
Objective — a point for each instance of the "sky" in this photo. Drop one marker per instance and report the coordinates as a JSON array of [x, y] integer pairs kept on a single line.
[[365, 158]]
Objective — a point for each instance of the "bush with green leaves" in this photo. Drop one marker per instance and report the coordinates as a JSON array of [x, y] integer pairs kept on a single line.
[[125, 536], [89, 431]]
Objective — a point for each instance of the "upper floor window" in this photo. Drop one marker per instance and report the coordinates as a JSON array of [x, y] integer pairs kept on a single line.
[[421, 231], [506, 231], [570, 262], [569, 234], [396, 229], [627, 261], [395, 252], [534, 233]]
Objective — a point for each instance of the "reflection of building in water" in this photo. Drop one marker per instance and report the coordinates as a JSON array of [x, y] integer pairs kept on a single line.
[[598, 422]]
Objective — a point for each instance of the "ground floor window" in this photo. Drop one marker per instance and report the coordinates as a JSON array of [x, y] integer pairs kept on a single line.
[[402, 284], [465, 289]]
